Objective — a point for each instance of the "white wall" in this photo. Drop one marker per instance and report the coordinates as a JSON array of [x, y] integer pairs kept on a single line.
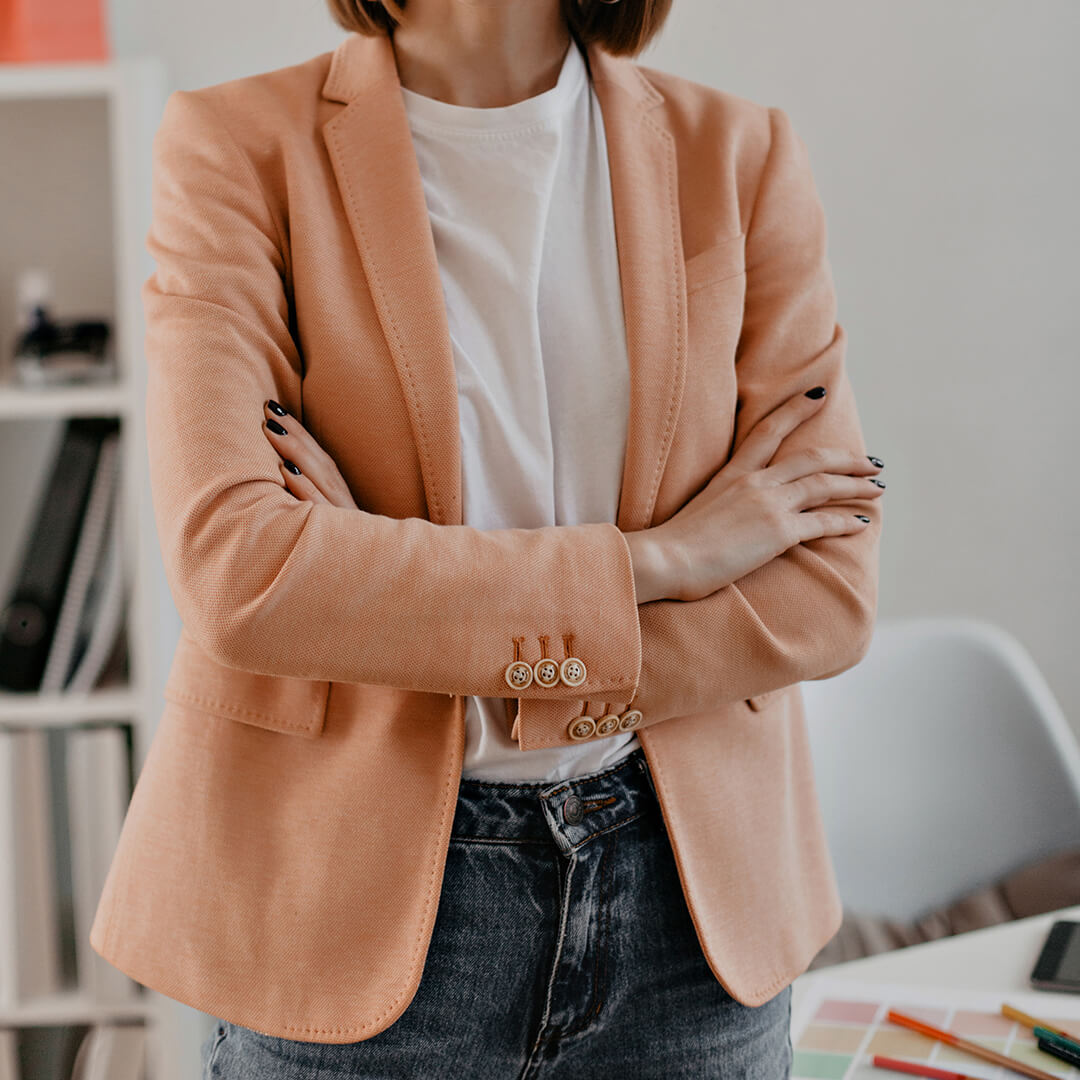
[[943, 136]]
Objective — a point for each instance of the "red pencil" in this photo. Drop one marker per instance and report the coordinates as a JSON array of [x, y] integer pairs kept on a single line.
[[883, 1062]]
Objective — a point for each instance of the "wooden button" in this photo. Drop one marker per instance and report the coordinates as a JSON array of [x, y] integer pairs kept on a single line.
[[581, 727], [546, 672], [630, 719], [519, 674], [607, 724], [572, 671]]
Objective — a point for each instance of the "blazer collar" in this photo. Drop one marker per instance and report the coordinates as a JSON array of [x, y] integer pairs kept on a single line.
[[370, 148], [362, 63]]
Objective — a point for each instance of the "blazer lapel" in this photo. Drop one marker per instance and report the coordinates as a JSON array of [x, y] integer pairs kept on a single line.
[[370, 148], [371, 151], [648, 236]]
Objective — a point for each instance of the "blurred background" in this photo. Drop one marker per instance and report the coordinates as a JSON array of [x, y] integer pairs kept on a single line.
[[943, 138]]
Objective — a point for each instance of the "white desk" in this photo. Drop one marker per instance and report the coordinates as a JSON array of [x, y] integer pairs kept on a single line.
[[997, 958]]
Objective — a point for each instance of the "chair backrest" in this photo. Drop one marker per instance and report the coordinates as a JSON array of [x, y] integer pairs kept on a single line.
[[943, 762]]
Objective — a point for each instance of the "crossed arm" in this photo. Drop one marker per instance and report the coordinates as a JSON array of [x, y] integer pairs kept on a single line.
[[267, 582]]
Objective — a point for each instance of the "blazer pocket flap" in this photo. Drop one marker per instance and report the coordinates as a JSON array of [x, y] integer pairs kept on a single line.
[[716, 263], [275, 702]]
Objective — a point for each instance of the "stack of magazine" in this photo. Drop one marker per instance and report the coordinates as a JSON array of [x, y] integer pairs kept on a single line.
[[65, 783]]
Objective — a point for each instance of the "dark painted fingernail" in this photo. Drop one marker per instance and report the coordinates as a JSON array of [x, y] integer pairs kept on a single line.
[[874, 479], [276, 428], [294, 469], [875, 461], [275, 407], [862, 517], [818, 391]]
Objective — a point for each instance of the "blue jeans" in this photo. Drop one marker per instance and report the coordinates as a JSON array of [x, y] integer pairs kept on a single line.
[[562, 949]]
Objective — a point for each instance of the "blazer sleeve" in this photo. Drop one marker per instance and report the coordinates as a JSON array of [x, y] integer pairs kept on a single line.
[[808, 613], [268, 583]]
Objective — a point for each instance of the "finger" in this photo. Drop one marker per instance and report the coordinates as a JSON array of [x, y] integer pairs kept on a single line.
[[812, 524], [295, 434], [295, 443], [815, 459], [820, 488], [765, 437], [300, 485]]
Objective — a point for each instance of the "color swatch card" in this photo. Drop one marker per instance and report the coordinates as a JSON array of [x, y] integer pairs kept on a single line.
[[841, 1024]]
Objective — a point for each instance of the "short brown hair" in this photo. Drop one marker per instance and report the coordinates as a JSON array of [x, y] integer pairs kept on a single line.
[[622, 28]]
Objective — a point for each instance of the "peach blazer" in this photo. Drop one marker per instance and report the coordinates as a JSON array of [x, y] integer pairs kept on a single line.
[[281, 860]]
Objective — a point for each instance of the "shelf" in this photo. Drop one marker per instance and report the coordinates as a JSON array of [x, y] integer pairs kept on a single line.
[[74, 1007], [123, 100], [96, 399], [25, 81], [56, 709]]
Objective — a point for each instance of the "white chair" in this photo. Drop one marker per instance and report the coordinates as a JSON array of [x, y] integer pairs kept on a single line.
[[943, 762]]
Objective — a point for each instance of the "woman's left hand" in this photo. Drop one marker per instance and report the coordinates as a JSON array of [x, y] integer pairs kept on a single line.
[[318, 479]]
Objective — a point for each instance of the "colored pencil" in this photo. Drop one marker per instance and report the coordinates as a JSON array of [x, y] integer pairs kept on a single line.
[[883, 1062], [1057, 1050], [1046, 1035], [971, 1047], [1033, 1022]]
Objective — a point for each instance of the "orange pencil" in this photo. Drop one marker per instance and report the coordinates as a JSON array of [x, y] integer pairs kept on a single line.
[[1033, 1022], [971, 1047]]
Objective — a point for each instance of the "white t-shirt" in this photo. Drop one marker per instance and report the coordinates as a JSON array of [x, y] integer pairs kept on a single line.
[[519, 198]]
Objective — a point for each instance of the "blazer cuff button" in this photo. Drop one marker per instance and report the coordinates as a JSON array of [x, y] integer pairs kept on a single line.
[[518, 675], [581, 727], [607, 724], [572, 671], [546, 672]]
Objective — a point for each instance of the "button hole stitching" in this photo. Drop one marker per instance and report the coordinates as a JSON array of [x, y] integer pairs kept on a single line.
[[595, 804]]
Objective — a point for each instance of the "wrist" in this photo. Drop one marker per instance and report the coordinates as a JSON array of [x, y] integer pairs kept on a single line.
[[651, 566]]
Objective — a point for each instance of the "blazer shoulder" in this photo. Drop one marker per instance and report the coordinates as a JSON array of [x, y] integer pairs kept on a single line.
[[263, 109], [268, 120], [722, 141], [689, 103]]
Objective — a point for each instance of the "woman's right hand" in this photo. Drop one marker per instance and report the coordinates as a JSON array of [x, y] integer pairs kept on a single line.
[[752, 511]]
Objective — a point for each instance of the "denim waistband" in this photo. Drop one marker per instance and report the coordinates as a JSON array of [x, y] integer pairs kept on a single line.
[[569, 813]]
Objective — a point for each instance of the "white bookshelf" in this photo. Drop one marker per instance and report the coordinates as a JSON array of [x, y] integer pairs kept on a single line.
[[75, 170]]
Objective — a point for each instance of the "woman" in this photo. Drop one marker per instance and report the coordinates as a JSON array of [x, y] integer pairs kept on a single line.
[[483, 751]]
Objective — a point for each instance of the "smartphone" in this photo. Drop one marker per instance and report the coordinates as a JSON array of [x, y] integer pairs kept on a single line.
[[1058, 966]]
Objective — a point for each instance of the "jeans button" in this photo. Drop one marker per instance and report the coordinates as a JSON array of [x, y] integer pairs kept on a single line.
[[572, 810]]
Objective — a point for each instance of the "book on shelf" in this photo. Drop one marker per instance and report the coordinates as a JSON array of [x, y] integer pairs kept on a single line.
[[98, 789], [111, 1052], [94, 536], [63, 621], [114, 1051], [64, 792], [40, 1051], [29, 938]]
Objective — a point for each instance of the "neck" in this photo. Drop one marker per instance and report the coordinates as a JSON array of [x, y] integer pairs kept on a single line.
[[480, 53]]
